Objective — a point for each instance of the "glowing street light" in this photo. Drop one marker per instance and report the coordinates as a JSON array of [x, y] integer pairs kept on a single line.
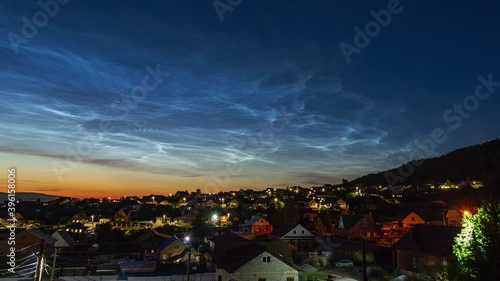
[[466, 213]]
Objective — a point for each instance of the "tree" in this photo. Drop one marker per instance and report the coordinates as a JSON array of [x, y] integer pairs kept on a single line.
[[477, 246], [319, 226]]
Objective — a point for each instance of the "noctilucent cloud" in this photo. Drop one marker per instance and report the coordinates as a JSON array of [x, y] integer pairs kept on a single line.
[[133, 97]]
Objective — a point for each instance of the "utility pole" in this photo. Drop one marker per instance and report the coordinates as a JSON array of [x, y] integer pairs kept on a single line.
[[53, 265], [189, 262], [39, 264], [365, 278]]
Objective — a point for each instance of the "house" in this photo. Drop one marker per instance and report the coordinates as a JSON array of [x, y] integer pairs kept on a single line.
[[257, 262], [453, 218], [27, 242], [63, 240], [174, 250], [342, 204], [346, 249], [425, 250], [149, 242], [257, 226], [76, 227], [233, 204], [259, 203], [294, 234], [220, 243], [410, 218], [210, 203], [313, 205], [121, 218], [357, 226]]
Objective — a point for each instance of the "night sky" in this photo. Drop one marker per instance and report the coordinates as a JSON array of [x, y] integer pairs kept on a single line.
[[258, 95]]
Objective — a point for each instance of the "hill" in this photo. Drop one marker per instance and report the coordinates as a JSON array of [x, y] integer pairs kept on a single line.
[[29, 196], [479, 162]]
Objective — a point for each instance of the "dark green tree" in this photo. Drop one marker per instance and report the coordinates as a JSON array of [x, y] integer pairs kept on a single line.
[[477, 246]]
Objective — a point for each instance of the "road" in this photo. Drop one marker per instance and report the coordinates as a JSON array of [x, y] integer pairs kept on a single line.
[[350, 274]]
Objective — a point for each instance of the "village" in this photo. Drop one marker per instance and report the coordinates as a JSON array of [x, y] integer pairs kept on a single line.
[[303, 233]]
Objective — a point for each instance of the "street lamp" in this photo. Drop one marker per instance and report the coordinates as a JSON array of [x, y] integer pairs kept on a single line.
[[186, 241]]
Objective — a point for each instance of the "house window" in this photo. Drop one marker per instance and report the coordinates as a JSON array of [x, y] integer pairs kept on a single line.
[[414, 262], [176, 247], [266, 259]]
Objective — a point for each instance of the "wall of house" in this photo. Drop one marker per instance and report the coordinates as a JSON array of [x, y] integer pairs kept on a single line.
[[419, 263], [261, 227], [364, 229], [412, 219], [171, 249], [274, 270]]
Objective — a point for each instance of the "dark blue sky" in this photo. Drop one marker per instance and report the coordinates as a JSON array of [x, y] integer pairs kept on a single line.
[[267, 89]]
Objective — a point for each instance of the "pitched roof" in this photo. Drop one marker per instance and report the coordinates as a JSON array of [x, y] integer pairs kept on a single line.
[[350, 220], [236, 257], [41, 235], [283, 229], [233, 251], [167, 242], [65, 239], [178, 256], [226, 241], [150, 233], [434, 240], [254, 219]]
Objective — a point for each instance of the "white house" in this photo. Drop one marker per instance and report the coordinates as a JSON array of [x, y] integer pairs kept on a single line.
[[295, 234], [342, 204], [255, 262]]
